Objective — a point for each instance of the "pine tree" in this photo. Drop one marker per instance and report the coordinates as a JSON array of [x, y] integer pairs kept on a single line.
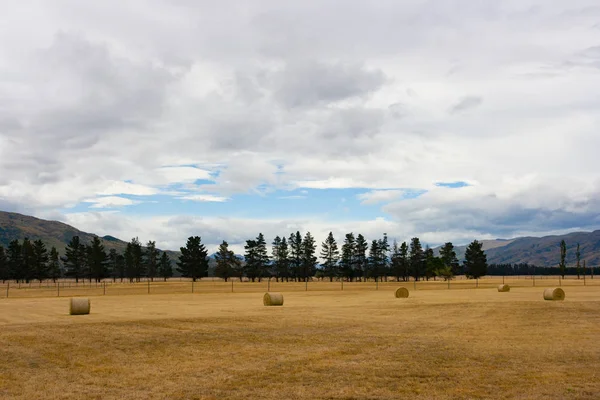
[[578, 256], [347, 259], [475, 263], [134, 260], [309, 260], [251, 267], [97, 260], [227, 262], [563, 255], [193, 262], [151, 260], [262, 255], [374, 261], [15, 261], [75, 259], [295, 242], [54, 269], [165, 268], [396, 261], [360, 257], [383, 268], [281, 258], [4, 270], [331, 255], [417, 258], [404, 261], [448, 256], [40, 263], [27, 260]]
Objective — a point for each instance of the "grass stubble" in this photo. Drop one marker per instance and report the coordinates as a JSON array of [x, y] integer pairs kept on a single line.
[[455, 344]]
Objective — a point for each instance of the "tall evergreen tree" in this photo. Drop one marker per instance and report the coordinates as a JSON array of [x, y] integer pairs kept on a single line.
[[348, 257], [75, 259], [97, 260], [383, 268], [430, 263], [165, 269], [309, 260], [193, 262], [475, 260], [54, 268], [448, 256], [15, 260], [396, 261], [151, 260], [374, 261], [40, 263], [281, 258], [227, 262], [295, 243], [578, 256], [27, 260], [330, 255], [134, 260], [4, 270], [563, 255], [417, 258], [262, 254], [404, 261], [361, 260]]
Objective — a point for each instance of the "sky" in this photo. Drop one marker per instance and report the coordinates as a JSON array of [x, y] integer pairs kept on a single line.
[[448, 120]]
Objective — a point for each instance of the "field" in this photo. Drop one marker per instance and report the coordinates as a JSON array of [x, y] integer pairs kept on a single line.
[[359, 343]]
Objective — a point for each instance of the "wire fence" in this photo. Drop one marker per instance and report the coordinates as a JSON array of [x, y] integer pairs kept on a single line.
[[70, 288]]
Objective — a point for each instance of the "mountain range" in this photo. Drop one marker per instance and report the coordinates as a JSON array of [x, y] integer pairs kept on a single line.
[[540, 251]]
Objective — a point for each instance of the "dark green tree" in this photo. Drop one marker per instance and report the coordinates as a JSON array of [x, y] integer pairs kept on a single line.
[[448, 256], [417, 258], [431, 264], [4, 271], [262, 255], [281, 259], [578, 256], [374, 261], [97, 260], [74, 259], [396, 261], [54, 267], [383, 268], [309, 260], [227, 262], [330, 255], [295, 244], [404, 261], [165, 268], [15, 260], [40, 263], [193, 261], [563, 255], [151, 260], [251, 266], [361, 260], [347, 259], [475, 263], [134, 260], [27, 260]]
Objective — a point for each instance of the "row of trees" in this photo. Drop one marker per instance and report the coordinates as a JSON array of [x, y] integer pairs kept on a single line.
[[29, 261], [292, 258]]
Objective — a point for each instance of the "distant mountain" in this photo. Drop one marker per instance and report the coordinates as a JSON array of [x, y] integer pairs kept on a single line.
[[541, 251], [53, 233]]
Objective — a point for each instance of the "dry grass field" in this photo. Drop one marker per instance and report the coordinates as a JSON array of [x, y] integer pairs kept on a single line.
[[351, 344]]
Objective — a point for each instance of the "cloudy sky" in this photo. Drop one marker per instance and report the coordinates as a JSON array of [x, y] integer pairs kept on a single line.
[[448, 120]]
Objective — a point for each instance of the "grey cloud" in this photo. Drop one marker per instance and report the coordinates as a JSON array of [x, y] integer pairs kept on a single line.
[[303, 84], [466, 103]]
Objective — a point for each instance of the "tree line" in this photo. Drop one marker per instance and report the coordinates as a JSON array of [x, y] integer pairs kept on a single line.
[[292, 258]]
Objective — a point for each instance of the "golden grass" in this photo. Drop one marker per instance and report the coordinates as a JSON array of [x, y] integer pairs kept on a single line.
[[443, 344]]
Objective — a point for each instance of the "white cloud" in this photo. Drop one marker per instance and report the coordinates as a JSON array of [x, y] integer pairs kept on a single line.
[[380, 196], [204, 197], [110, 202], [101, 99]]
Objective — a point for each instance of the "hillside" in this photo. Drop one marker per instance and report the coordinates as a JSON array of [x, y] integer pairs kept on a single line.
[[52, 233], [541, 251]]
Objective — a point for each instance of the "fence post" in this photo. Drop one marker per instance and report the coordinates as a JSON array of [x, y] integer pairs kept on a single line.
[[448, 283], [376, 284], [58, 290], [415, 283], [7, 286], [231, 285], [269, 285], [306, 285], [148, 287], [342, 280], [104, 288], [192, 285]]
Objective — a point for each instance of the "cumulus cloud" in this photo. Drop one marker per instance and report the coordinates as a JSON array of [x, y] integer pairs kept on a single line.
[[292, 95]]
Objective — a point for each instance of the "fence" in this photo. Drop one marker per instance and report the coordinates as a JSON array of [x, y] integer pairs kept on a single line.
[[70, 288]]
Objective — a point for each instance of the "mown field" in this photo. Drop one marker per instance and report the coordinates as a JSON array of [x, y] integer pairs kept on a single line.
[[462, 343]]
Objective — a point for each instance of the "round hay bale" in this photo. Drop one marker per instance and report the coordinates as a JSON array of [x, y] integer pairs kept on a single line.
[[503, 288], [401, 292], [80, 306], [554, 294], [273, 299]]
